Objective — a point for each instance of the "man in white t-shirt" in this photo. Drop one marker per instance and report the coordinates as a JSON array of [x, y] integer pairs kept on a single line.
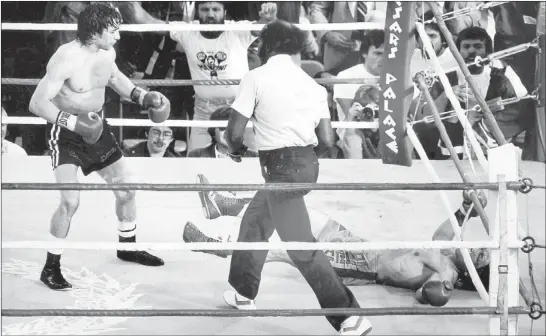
[[371, 51], [8, 147], [216, 55]]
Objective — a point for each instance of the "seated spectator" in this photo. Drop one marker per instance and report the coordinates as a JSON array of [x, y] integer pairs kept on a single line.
[[371, 51], [364, 107], [212, 56], [158, 144], [516, 23], [492, 82], [420, 60], [219, 146], [8, 147], [339, 46]]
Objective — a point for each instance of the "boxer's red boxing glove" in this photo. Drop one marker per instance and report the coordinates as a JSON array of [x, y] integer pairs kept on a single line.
[[436, 293], [88, 125], [158, 106]]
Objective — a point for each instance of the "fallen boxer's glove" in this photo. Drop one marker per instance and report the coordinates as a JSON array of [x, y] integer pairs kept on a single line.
[[88, 125], [436, 293], [158, 106]]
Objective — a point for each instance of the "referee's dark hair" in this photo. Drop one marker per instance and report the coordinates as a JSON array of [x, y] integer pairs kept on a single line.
[[280, 37]]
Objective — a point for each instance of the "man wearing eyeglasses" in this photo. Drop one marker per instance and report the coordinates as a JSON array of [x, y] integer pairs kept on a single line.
[[157, 145]]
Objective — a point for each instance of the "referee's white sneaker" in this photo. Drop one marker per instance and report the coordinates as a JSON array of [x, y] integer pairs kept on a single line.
[[237, 301], [355, 325]]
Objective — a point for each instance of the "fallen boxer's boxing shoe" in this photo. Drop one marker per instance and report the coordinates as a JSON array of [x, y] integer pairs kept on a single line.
[[192, 234], [139, 257], [215, 205], [355, 325], [53, 278]]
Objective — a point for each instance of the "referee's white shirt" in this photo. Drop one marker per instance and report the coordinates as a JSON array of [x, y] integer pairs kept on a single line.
[[283, 102]]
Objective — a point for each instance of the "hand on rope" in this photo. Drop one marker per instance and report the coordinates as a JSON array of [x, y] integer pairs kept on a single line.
[[467, 205]]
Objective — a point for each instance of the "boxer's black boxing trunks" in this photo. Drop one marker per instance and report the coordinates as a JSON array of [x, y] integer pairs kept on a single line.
[[68, 147]]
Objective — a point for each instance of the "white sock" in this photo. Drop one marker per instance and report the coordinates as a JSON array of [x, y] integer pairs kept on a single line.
[[127, 229], [56, 251]]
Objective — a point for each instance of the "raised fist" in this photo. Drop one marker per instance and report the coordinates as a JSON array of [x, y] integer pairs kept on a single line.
[[268, 11]]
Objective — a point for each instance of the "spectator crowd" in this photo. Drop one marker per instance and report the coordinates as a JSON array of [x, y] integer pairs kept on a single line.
[[211, 55]]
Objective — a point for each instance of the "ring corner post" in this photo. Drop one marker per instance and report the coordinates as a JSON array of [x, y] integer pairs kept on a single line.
[[503, 210], [396, 84]]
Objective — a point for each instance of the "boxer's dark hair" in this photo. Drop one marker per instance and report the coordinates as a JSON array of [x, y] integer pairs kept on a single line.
[[464, 282], [374, 37], [221, 113], [280, 37], [475, 33], [95, 19]]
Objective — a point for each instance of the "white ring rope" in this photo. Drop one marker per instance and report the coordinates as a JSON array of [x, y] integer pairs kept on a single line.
[[464, 11], [180, 123], [174, 26], [454, 224], [243, 246], [451, 96]]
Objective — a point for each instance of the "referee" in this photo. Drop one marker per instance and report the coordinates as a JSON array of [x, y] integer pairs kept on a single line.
[[290, 116]]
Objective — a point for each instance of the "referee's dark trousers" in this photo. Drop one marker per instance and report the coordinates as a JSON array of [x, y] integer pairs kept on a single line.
[[286, 212]]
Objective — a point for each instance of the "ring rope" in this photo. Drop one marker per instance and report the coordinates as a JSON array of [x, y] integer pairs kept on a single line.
[[487, 115], [476, 108], [463, 11], [193, 82], [263, 312], [504, 53], [245, 246], [484, 295], [254, 187], [181, 123], [449, 145], [325, 81], [174, 26], [427, 44]]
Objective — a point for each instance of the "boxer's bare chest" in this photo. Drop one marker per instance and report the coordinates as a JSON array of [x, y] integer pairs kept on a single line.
[[92, 72]]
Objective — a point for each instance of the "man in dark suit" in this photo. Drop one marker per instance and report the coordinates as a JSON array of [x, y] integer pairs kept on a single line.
[[219, 147]]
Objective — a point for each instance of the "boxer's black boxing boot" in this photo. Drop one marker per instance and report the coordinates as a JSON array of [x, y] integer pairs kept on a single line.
[[51, 273], [139, 257], [192, 234]]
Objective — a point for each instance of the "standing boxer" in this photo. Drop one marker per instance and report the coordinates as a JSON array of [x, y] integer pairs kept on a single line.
[[70, 98], [288, 110]]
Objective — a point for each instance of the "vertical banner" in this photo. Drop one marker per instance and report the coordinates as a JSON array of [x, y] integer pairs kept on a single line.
[[396, 83]]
